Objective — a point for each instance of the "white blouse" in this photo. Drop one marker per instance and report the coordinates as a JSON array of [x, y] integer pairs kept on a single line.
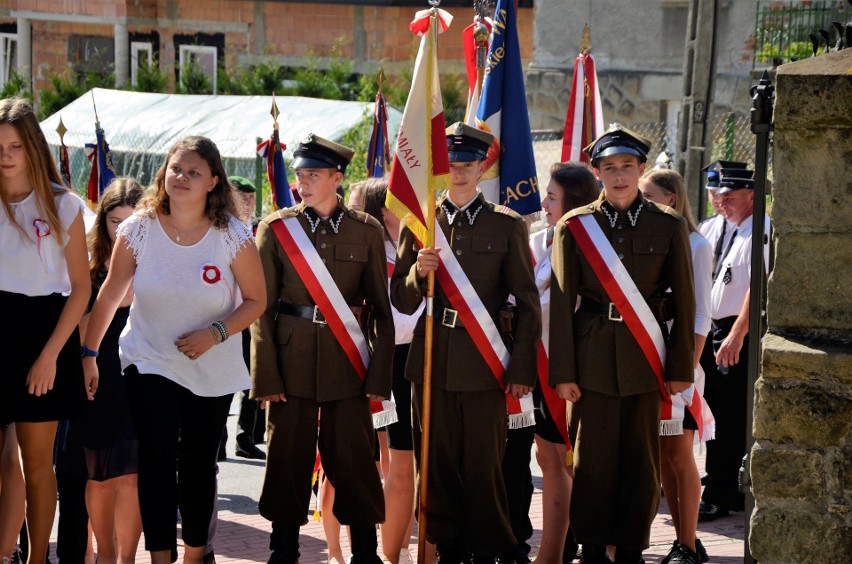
[[33, 263], [178, 289], [702, 267], [403, 324]]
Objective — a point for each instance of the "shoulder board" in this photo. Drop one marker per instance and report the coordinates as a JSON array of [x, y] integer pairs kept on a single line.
[[363, 217], [663, 209], [582, 210], [281, 214], [505, 210]]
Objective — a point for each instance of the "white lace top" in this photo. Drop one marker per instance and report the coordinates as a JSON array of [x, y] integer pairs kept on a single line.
[[178, 289], [33, 262]]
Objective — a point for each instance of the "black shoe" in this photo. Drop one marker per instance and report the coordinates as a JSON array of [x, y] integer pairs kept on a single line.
[[667, 558], [250, 451], [684, 556], [710, 512], [702, 552]]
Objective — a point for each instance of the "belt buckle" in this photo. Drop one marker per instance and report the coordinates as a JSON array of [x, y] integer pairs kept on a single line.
[[613, 314], [318, 317], [451, 315]]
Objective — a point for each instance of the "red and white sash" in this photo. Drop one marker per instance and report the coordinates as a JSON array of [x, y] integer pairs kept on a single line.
[[326, 295], [480, 326], [627, 298]]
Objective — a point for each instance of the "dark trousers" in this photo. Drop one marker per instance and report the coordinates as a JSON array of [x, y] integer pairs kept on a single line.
[[179, 436], [517, 478], [725, 392], [346, 440], [72, 530], [616, 469], [467, 505]]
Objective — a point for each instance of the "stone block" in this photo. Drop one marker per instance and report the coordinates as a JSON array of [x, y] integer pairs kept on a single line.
[[804, 413], [815, 93], [811, 190], [800, 532], [806, 359], [783, 472], [809, 286]]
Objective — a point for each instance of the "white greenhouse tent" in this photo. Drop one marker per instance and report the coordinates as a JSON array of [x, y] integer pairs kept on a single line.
[[140, 127]]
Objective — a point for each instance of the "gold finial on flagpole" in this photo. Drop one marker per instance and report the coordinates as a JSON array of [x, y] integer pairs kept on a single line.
[[275, 113], [62, 130], [586, 41]]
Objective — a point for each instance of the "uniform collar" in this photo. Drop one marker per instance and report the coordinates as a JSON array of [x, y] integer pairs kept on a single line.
[[333, 221], [469, 211], [632, 212]]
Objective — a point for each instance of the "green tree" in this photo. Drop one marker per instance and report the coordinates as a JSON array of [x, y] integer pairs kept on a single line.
[[193, 79], [17, 85], [150, 78]]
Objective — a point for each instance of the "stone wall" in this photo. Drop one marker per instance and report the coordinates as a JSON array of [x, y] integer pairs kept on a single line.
[[801, 463]]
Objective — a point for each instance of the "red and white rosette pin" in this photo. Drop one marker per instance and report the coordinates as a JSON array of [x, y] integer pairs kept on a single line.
[[210, 274], [42, 229]]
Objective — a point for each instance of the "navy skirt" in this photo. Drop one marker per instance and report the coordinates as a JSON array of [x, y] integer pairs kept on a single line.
[[28, 322]]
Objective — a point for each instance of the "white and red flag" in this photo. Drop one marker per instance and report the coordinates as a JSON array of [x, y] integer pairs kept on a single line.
[[421, 165], [584, 122]]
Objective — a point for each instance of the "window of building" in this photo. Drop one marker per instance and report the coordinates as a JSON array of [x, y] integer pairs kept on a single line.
[[203, 57], [141, 53], [8, 49]]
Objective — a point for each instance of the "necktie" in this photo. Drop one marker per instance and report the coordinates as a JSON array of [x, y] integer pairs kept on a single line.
[[727, 277]]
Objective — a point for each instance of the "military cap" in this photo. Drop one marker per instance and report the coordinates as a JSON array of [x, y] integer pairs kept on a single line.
[[735, 179], [242, 184], [466, 143], [714, 171], [618, 140], [315, 152]]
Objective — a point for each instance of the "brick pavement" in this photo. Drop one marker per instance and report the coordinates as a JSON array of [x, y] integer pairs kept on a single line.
[[243, 536]]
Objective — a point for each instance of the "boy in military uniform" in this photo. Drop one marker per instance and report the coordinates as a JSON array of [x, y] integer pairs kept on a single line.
[[596, 361], [310, 360], [467, 507]]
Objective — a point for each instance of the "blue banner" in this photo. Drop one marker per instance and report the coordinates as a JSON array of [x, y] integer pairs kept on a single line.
[[503, 88]]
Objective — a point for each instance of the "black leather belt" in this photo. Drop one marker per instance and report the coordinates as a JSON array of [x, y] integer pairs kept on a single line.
[[311, 313], [607, 310], [660, 308], [450, 318]]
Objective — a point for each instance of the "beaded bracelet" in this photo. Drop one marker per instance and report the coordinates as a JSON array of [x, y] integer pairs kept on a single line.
[[217, 337], [222, 329]]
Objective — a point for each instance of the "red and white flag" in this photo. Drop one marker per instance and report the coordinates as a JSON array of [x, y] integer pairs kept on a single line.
[[584, 122], [421, 165]]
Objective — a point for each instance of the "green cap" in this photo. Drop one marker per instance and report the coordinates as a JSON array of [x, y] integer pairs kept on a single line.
[[242, 184]]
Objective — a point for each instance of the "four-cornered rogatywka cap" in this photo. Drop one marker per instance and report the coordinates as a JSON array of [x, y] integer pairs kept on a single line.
[[315, 152], [466, 143], [618, 140]]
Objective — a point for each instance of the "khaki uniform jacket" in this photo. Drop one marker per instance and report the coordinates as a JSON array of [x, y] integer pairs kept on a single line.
[[495, 254], [598, 354], [298, 357]]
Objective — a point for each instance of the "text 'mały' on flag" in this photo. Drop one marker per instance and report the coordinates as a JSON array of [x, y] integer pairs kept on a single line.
[[512, 180], [103, 172], [378, 152], [272, 150], [420, 164], [584, 121]]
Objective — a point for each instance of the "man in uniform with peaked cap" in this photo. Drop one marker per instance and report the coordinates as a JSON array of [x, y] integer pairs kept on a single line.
[[725, 359], [300, 366], [596, 362], [467, 505]]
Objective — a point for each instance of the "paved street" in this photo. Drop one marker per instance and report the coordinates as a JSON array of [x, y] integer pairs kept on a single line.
[[243, 535]]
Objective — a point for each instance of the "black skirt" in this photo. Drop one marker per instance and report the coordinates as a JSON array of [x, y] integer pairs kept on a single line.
[[28, 322]]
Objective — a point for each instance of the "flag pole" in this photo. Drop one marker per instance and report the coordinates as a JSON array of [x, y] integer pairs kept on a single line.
[[426, 407]]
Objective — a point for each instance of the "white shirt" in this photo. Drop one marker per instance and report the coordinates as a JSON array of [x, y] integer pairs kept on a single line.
[[33, 263], [727, 299], [403, 324], [542, 272], [711, 229], [702, 272], [172, 297]]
